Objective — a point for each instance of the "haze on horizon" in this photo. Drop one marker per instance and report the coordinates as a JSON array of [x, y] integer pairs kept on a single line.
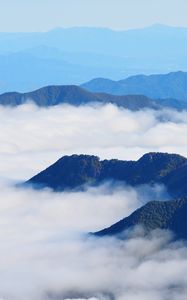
[[43, 15]]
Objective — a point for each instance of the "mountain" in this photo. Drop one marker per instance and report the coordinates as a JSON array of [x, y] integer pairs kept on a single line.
[[170, 215], [104, 85], [75, 55], [145, 43], [74, 95], [132, 102], [172, 85], [75, 171], [50, 95]]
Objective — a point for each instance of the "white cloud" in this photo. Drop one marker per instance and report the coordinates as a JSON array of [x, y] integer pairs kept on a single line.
[[45, 256], [32, 138], [43, 253]]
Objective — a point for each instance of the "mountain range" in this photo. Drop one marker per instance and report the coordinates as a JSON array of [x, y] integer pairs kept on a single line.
[[61, 60], [75, 95], [69, 56], [76, 171], [171, 85]]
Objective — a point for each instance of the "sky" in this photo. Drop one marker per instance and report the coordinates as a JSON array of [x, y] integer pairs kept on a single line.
[[43, 15]]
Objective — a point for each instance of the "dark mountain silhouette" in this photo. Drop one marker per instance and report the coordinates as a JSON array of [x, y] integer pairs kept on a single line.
[[75, 171], [75, 95], [172, 85], [170, 215], [69, 172]]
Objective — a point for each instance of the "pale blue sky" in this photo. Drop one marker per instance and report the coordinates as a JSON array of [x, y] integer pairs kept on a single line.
[[42, 15]]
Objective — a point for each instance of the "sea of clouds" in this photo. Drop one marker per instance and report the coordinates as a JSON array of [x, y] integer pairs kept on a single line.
[[45, 251], [35, 137]]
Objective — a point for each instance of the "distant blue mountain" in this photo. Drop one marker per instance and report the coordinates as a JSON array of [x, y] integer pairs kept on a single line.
[[76, 55], [147, 42], [172, 85], [24, 71]]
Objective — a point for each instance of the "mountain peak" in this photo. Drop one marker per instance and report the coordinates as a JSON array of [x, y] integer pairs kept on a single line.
[[156, 156]]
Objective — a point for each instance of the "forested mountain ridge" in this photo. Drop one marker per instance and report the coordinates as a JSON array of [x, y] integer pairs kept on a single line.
[[75, 171], [169, 215]]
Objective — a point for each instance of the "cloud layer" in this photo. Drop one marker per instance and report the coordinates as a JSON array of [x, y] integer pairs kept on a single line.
[[44, 251], [34, 137]]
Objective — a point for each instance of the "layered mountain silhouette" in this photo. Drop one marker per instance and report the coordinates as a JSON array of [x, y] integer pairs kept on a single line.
[[170, 215], [25, 71], [75, 171], [103, 40], [75, 95], [172, 85], [75, 55]]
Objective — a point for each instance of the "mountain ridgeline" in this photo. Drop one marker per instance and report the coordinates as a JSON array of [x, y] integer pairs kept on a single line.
[[72, 172], [75, 95], [76, 55], [161, 86]]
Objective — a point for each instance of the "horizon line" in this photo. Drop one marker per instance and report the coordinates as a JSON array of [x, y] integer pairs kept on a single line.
[[153, 25]]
